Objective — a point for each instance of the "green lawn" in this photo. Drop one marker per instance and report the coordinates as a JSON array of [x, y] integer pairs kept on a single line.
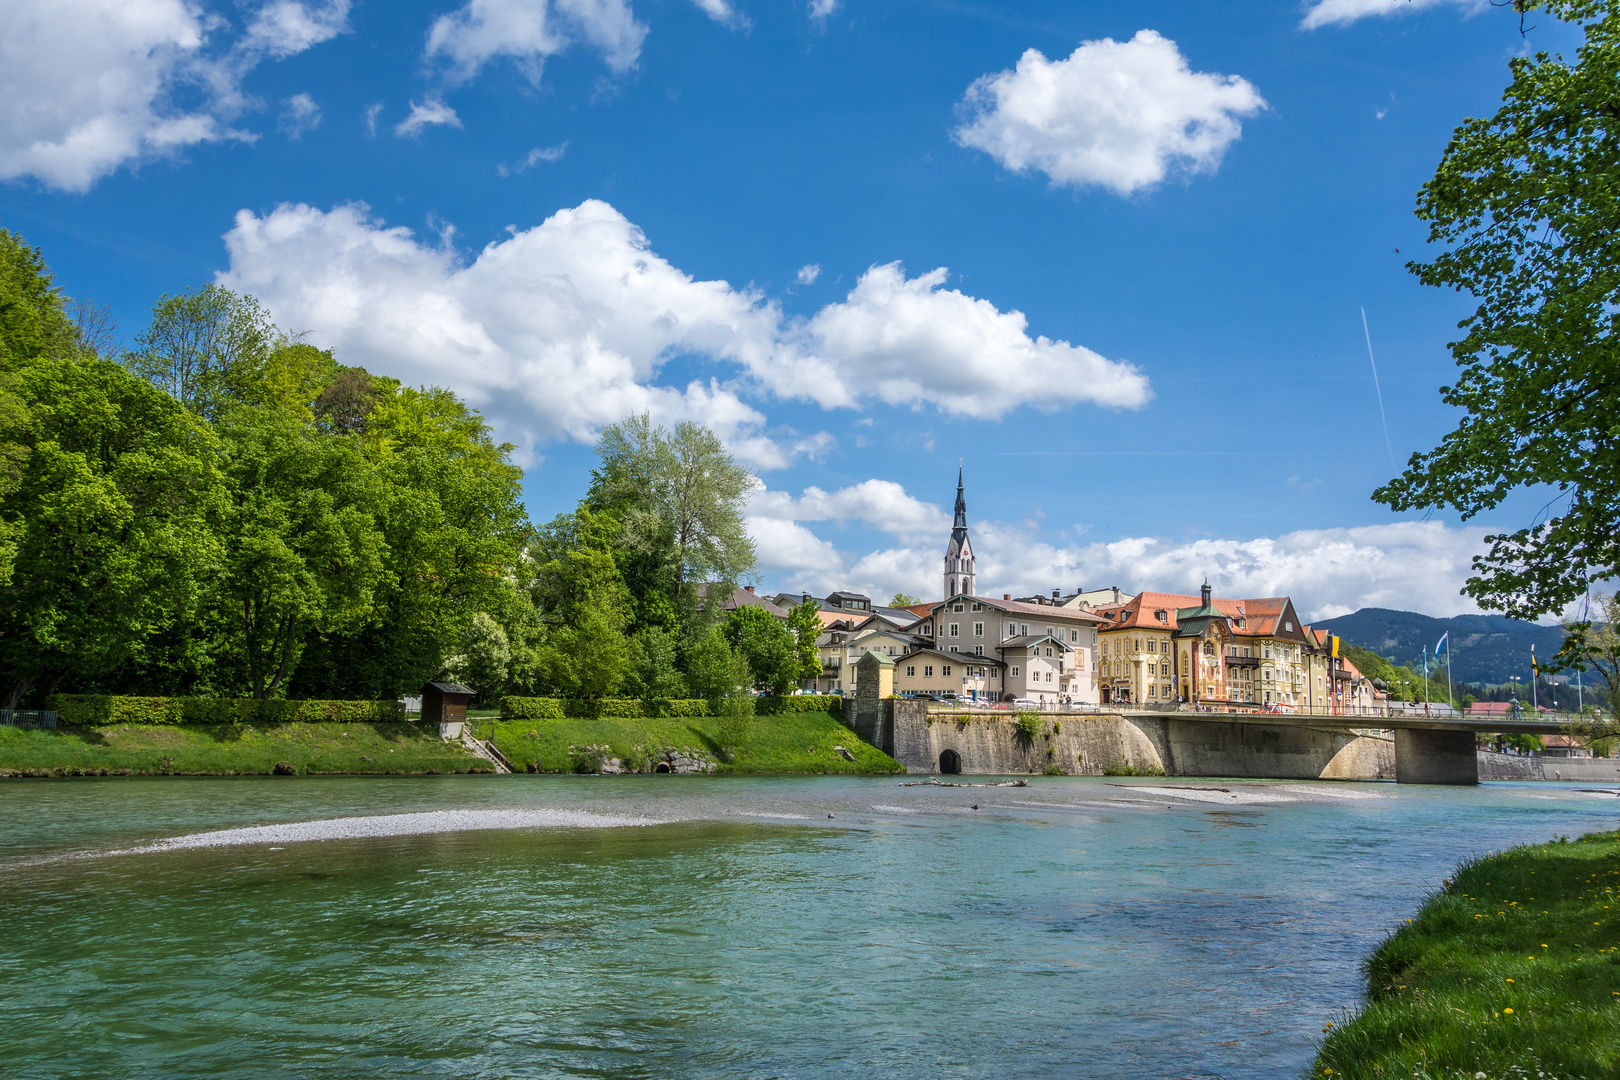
[[231, 750], [788, 743], [1511, 970]]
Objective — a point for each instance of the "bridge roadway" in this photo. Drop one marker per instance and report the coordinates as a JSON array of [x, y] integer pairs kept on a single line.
[[1428, 749]]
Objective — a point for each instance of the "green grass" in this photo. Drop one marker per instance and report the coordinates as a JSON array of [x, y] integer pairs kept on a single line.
[[788, 743], [1511, 970], [141, 750]]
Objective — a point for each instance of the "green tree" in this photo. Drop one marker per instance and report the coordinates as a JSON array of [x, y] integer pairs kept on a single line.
[[209, 348], [901, 599], [770, 649], [735, 710], [1523, 206], [590, 658], [304, 553], [805, 625], [484, 658], [654, 673], [709, 664], [1594, 644]]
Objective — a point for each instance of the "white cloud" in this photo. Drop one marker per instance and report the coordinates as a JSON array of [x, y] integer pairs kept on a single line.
[[820, 9], [566, 326], [89, 85], [1413, 566], [373, 111], [528, 32], [1328, 12], [913, 341], [285, 28], [1117, 115], [722, 12], [299, 114], [808, 273], [431, 112], [533, 158]]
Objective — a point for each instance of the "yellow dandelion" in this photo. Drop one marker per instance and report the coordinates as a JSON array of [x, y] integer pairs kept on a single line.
[[1510, 980], [1507, 1012]]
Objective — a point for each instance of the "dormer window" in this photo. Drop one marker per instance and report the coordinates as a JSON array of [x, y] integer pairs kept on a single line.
[[1240, 624], [1161, 616]]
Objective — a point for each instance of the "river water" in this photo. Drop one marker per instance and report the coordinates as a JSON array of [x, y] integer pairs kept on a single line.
[[699, 927]]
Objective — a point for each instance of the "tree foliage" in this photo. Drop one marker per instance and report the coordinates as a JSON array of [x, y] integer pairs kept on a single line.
[[1593, 644], [1523, 207]]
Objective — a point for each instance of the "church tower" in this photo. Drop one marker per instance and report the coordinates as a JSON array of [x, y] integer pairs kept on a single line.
[[959, 553]]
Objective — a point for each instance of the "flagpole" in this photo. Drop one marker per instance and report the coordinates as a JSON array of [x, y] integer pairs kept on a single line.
[[1451, 697], [1425, 678], [1535, 677]]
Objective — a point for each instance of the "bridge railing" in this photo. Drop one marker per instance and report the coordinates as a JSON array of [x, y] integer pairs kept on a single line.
[[1370, 712]]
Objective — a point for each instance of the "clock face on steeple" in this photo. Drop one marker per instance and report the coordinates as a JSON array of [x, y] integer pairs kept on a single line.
[[959, 552]]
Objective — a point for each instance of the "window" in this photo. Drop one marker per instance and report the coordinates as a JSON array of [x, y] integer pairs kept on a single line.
[[1153, 645], [1048, 676], [928, 629], [1153, 691], [978, 650], [957, 609], [1048, 652], [1209, 648], [956, 629], [1267, 653], [1049, 632], [911, 671], [1209, 691], [978, 607], [1074, 635], [946, 670], [928, 671], [978, 629], [1012, 631], [1015, 673], [1162, 616], [1268, 674], [954, 649], [1288, 626], [1240, 624]]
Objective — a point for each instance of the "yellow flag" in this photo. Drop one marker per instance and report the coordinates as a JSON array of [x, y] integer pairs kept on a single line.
[[1335, 645]]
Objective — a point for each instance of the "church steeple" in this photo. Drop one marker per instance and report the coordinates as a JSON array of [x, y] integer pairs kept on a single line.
[[959, 552]]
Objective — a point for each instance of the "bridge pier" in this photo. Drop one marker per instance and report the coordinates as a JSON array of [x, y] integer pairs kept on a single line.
[[1435, 757]]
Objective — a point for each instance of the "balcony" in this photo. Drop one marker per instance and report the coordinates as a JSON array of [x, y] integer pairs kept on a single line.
[[1242, 661]]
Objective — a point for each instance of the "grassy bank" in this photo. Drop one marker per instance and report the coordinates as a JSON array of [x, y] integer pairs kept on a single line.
[[232, 750], [1511, 970], [788, 743]]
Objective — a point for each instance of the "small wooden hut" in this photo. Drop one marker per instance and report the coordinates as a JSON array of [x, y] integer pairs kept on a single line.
[[445, 702]]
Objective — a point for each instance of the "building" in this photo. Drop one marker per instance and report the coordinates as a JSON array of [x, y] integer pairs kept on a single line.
[[928, 671], [1045, 652], [1144, 659]]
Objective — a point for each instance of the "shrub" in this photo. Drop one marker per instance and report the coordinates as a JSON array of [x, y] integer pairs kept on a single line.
[[773, 706], [1125, 768], [103, 710], [1027, 726], [542, 708]]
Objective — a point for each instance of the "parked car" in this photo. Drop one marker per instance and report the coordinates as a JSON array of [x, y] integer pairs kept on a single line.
[[1022, 703], [1279, 707]]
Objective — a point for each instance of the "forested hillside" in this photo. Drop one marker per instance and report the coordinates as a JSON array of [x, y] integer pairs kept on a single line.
[[1485, 649]]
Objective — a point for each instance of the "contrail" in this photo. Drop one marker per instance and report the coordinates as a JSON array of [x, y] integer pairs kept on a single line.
[[1387, 447]]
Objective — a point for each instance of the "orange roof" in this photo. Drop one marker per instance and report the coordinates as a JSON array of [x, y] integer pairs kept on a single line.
[[1260, 617]]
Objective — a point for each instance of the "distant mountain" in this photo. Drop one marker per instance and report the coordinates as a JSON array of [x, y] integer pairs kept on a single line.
[[1487, 649]]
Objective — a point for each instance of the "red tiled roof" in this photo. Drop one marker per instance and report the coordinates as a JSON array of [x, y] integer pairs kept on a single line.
[[1018, 607], [1260, 617]]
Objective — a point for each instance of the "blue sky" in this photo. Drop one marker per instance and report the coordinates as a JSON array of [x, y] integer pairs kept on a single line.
[[1157, 231]]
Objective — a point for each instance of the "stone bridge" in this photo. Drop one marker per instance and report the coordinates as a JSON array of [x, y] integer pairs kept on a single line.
[[1409, 749]]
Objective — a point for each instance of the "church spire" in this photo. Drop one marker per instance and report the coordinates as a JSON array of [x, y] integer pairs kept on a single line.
[[959, 552]]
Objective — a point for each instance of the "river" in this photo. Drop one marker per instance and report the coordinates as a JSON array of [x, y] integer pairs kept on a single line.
[[712, 927]]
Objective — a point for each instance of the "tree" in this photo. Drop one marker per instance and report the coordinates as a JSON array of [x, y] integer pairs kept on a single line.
[[770, 649], [654, 674], [735, 708], [208, 348], [304, 552], [1523, 204], [709, 663], [901, 599], [589, 659], [484, 658], [1594, 644], [805, 623]]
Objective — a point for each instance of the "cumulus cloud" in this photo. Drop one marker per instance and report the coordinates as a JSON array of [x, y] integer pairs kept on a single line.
[[566, 326], [528, 32], [808, 273], [533, 158], [1329, 572], [722, 12], [1118, 115], [1341, 12], [910, 341], [299, 114], [430, 113], [820, 9], [89, 85]]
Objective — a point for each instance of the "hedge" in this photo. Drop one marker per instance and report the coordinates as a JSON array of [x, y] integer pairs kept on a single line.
[[543, 708], [100, 710]]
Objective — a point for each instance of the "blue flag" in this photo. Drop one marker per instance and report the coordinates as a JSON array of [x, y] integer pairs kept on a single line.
[[1441, 642]]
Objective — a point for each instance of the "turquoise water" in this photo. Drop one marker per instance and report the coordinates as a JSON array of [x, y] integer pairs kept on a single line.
[[1071, 928]]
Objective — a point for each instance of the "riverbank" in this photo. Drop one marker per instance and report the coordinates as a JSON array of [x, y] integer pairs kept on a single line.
[[233, 750], [1512, 969], [784, 743]]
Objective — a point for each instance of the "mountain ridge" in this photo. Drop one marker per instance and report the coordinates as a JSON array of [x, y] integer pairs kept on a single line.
[[1485, 649]]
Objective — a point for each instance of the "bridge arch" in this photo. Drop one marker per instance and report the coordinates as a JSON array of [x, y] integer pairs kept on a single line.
[[950, 762]]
